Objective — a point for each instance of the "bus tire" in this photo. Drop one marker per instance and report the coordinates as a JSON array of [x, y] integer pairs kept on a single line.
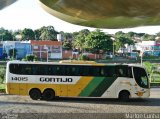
[[35, 94], [48, 94], [124, 95]]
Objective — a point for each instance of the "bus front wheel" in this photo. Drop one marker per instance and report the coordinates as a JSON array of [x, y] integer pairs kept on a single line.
[[124, 95], [48, 94], [35, 94]]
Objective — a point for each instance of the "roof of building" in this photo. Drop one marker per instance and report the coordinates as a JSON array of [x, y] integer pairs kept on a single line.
[[46, 42]]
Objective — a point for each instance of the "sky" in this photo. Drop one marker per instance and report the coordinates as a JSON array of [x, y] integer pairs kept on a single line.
[[29, 14]]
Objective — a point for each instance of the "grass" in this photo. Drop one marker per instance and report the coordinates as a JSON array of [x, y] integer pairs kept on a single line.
[[2, 86], [155, 78]]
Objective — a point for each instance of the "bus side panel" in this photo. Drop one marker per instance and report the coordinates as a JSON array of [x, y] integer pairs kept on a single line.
[[74, 90], [63, 90], [13, 88], [23, 89]]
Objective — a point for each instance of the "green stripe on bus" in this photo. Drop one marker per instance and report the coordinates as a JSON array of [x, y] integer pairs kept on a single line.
[[103, 86], [91, 86]]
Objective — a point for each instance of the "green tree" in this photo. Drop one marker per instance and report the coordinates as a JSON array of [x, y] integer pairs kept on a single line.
[[140, 34], [5, 35], [37, 34], [80, 41], [147, 37], [27, 34], [67, 36], [2, 74], [119, 34], [67, 45], [85, 32], [48, 33], [158, 34], [149, 68], [17, 33], [121, 39], [97, 40], [83, 57], [130, 34]]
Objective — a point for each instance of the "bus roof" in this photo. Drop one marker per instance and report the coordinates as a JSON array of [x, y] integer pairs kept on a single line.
[[72, 62], [77, 62]]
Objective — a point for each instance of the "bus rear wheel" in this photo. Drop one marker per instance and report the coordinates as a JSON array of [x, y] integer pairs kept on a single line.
[[48, 95], [35, 94], [124, 95]]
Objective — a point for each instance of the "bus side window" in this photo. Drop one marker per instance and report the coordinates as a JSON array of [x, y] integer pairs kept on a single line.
[[80, 70], [93, 71], [122, 71], [57, 70], [96, 71], [45, 69], [74, 71], [129, 73], [102, 72], [15, 68], [67, 70], [53, 70], [109, 71], [85, 71], [50, 70], [28, 70], [60, 70], [34, 69]]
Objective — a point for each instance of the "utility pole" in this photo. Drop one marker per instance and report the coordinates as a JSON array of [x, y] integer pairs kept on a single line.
[[113, 39]]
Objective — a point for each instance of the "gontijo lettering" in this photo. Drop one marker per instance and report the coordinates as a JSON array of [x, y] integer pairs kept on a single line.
[[44, 79]]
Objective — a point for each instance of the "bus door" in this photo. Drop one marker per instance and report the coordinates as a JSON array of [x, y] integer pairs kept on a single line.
[[125, 77]]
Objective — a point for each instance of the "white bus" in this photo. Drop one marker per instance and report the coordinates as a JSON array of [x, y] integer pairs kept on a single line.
[[43, 80]]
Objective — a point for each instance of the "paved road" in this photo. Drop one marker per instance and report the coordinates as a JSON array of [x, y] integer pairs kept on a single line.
[[23, 104]]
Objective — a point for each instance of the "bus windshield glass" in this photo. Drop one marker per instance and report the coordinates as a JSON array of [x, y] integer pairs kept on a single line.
[[141, 77]]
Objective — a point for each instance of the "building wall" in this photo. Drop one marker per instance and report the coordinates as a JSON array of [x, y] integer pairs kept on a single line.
[[67, 54], [1, 51], [44, 49], [23, 49], [7, 45]]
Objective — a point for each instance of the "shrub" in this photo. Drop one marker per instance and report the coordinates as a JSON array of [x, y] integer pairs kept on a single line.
[[83, 57], [30, 58], [2, 75]]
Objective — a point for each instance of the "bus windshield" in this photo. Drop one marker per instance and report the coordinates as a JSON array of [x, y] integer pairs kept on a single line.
[[141, 77]]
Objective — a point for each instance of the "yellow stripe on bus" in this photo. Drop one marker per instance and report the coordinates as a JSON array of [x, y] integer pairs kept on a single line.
[[75, 90]]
